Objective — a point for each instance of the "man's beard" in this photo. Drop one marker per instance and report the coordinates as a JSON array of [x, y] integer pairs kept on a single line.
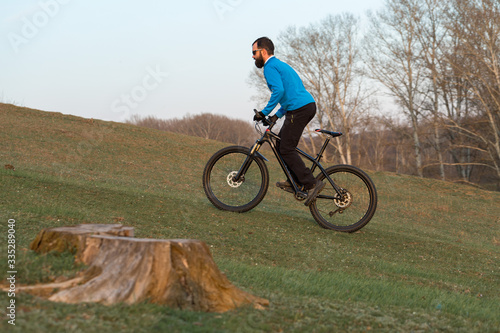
[[259, 62]]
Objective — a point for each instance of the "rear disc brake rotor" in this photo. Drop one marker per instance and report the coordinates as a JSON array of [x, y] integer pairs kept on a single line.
[[345, 201]]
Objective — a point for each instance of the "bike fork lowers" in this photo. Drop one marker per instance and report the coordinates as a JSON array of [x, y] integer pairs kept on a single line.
[[240, 176]]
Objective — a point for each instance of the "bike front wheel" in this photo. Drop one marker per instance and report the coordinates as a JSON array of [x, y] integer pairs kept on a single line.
[[350, 210], [227, 194]]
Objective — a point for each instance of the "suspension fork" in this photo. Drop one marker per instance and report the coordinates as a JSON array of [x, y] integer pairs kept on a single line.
[[240, 176]]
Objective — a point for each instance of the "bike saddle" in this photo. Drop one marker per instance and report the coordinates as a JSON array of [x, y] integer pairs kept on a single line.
[[333, 134]]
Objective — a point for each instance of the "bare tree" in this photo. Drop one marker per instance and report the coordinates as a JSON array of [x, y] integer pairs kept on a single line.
[[476, 26], [433, 36], [457, 108], [394, 59]]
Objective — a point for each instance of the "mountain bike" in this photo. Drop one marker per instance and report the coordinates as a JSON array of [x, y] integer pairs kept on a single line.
[[236, 179]]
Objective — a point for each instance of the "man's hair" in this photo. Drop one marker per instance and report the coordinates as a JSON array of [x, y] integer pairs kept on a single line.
[[265, 43]]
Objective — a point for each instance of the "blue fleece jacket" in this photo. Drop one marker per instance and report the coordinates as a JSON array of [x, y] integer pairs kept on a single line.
[[286, 88]]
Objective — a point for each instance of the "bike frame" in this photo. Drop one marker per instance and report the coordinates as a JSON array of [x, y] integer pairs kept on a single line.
[[268, 137]]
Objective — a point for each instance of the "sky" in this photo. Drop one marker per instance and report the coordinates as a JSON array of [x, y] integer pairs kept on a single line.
[[111, 59]]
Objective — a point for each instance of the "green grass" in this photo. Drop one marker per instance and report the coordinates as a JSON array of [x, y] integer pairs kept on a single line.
[[428, 260]]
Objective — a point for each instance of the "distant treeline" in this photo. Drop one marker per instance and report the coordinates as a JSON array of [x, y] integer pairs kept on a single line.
[[381, 144], [205, 125]]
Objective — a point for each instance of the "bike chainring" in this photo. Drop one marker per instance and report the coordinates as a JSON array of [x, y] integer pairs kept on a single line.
[[300, 196]]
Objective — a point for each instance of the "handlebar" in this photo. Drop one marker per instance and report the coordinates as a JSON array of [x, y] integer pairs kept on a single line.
[[268, 122]]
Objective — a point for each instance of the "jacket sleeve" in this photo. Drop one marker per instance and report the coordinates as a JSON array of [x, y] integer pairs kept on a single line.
[[275, 84]]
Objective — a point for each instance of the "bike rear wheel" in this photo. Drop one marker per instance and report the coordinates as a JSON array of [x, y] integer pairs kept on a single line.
[[351, 211], [220, 187]]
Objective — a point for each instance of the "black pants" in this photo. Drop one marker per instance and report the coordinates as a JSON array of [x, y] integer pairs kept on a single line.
[[290, 134]]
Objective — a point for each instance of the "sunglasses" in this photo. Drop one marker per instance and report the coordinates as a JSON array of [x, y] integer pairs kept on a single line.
[[254, 52]]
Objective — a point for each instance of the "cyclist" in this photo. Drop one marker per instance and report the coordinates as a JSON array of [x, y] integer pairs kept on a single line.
[[298, 107]]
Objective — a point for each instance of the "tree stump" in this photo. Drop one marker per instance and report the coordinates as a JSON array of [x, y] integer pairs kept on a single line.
[[178, 273], [73, 238]]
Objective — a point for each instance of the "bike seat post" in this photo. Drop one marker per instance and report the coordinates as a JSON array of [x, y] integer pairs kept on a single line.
[[322, 150]]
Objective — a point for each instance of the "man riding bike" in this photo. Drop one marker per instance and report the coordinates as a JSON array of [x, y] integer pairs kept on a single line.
[[298, 107]]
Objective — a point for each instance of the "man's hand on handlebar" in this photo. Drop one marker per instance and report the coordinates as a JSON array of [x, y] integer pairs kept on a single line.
[[273, 119], [259, 116]]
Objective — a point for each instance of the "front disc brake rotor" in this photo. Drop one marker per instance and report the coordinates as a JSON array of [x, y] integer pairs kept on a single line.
[[231, 182]]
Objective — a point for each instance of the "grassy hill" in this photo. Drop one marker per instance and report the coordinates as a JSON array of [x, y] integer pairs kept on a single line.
[[428, 260]]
